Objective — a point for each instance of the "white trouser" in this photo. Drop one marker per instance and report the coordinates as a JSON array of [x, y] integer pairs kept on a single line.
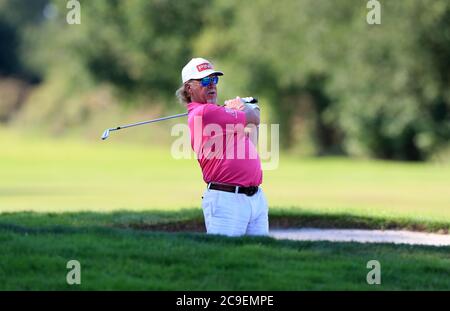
[[235, 214]]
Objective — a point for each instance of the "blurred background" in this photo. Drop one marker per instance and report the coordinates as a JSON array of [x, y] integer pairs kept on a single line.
[[336, 85]]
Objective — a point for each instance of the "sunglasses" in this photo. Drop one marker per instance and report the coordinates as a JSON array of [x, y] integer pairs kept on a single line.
[[207, 81]]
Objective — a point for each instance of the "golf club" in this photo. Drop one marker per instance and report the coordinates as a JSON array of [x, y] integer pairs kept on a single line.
[[247, 100]]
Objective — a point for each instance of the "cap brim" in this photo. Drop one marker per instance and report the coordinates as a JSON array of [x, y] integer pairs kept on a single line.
[[204, 74]]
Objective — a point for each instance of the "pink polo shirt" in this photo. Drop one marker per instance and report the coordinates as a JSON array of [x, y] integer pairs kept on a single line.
[[225, 153]]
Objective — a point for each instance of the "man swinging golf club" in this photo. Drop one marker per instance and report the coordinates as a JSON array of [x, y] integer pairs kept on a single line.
[[233, 203]]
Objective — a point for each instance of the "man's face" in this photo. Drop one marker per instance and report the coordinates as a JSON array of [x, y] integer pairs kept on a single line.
[[203, 94]]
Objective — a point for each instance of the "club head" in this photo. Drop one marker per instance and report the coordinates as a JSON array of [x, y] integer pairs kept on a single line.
[[249, 100], [105, 134]]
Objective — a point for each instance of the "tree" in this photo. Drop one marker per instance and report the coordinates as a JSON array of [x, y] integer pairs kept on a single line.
[[15, 17], [140, 45], [376, 90]]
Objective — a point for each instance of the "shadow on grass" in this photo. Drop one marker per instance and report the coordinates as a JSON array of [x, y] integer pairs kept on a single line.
[[191, 220]]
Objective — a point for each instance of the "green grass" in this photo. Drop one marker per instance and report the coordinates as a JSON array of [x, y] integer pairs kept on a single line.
[[64, 176], [62, 200], [118, 259]]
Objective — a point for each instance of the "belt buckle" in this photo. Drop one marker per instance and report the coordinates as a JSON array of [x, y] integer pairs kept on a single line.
[[251, 191]]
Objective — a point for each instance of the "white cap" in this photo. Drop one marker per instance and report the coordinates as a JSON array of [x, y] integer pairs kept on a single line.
[[198, 68]]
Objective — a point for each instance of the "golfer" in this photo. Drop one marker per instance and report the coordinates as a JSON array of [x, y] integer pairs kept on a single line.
[[233, 202]]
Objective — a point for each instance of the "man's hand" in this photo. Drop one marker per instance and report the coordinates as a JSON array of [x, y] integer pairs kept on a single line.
[[235, 104], [251, 110]]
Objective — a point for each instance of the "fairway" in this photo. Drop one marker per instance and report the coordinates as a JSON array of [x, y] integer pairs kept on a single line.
[[65, 176], [102, 204]]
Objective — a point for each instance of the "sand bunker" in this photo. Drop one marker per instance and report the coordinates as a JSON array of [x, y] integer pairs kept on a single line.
[[362, 236]]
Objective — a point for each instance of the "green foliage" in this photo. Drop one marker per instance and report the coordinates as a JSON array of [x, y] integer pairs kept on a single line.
[[140, 45], [8, 57], [352, 88], [15, 18], [22, 12], [378, 90], [393, 98]]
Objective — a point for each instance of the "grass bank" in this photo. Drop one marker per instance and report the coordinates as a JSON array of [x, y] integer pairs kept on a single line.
[[118, 259]]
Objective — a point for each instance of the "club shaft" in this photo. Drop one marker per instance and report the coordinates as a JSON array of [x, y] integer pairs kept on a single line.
[[106, 133], [150, 121]]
